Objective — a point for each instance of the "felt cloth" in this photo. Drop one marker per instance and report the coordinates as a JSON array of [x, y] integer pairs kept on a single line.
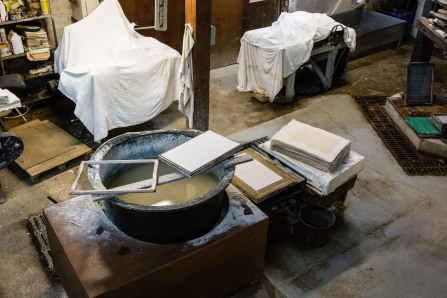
[[423, 126], [8, 100], [116, 77], [268, 55]]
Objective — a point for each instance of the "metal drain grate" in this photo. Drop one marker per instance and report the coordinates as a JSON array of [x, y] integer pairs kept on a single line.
[[38, 231], [411, 161]]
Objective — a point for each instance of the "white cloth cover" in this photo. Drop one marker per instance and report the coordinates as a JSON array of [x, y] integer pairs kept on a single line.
[[186, 102], [116, 77], [268, 55]]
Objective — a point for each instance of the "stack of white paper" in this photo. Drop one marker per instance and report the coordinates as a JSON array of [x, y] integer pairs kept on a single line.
[[321, 182], [200, 153], [313, 146]]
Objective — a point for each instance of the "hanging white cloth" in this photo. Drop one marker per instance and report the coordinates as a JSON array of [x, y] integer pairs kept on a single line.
[[116, 77], [186, 101], [268, 55]]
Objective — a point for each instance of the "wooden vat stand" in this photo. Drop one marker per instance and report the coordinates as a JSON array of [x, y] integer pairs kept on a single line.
[[93, 258]]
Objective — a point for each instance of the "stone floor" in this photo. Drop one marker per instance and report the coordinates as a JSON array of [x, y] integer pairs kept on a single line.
[[389, 241]]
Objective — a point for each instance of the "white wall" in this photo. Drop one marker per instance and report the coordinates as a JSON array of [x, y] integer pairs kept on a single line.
[[61, 14]]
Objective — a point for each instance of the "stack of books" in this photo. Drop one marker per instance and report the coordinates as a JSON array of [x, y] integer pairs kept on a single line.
[[38, 45]]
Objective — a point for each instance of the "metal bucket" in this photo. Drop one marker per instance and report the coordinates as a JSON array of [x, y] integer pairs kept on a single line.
[[157, 224], [314, 224]]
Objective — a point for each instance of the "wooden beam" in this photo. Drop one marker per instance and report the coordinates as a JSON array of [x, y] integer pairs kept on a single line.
[[198, 14], [190, 14]]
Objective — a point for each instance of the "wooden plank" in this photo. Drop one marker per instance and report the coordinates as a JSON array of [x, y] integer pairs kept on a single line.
[[330, 67], [46, 146], [190, 14], [91, 263], [259, 14], [429, 31]]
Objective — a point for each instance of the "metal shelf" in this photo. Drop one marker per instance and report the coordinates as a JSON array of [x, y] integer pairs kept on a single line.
[[13, 56], [26, 20], [52, 48]]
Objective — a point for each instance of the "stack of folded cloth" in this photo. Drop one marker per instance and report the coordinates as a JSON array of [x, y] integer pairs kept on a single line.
[[8, 100], [313, 146], [3, 96]]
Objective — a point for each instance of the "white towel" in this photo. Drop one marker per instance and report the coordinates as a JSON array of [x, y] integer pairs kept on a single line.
[[3, 95], [186, 102]]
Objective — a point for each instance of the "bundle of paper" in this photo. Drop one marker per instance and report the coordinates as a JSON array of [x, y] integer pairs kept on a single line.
[[8, 102], [36, 39], [313, 146], [321, 182], [440, 121]]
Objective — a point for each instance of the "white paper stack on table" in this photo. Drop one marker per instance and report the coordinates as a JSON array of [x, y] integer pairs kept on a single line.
[[313, 146]]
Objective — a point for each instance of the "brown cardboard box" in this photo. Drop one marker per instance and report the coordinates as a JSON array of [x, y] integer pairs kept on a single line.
[[33, 5]]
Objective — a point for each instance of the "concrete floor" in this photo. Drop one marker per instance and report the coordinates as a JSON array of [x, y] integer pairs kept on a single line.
[[389, 241]]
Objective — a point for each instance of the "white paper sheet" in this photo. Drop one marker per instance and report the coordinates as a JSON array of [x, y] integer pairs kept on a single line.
[[256, 175]]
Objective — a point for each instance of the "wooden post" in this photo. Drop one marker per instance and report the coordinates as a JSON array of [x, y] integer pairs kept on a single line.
[[198, 14], [423, 46]]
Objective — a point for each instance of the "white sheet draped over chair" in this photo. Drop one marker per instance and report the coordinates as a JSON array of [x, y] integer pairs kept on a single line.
[[116, 77]]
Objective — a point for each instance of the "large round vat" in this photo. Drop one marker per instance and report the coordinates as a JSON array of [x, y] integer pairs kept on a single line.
[[158, 224]]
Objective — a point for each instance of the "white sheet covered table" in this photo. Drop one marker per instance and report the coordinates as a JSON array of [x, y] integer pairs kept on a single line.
[[268, 55], [116, 77]]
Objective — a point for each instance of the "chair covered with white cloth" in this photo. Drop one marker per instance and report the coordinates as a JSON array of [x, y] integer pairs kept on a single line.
[[116, 77], [267, 55]]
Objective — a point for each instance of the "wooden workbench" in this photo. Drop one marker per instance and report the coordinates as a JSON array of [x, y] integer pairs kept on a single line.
[[93, 258]]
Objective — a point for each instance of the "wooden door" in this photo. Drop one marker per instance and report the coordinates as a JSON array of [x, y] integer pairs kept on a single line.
[[226, 16], [259, 14]]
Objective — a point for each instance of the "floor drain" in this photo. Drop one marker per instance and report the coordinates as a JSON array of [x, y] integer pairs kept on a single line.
[[412, 162]]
